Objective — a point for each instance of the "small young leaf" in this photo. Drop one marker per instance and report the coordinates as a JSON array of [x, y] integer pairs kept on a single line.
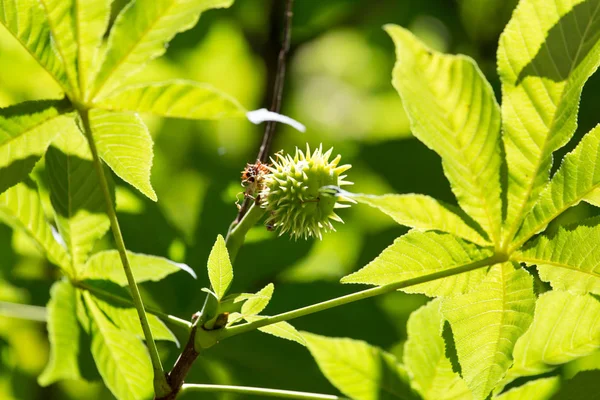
[[177, 99], [140, 33], [26, 130], [121, 358], [63, 333], [424, 213], [359, 370], [127, 318], [26, 20], [125, 144], [540, 389], [569, 260], [565, 326], [546, 54], [420, 253], [107, 265], [425, 358], [487, 323], [76, 198], [282, 330], [21, 207], [577, 176], [452, 109], [220, 271], [257, 302]]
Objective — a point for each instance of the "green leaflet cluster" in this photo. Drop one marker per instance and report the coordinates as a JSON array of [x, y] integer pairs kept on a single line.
[[487, 326], [98, 111]]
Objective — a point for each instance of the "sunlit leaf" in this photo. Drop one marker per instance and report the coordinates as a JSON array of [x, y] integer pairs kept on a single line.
[[220, 271], [121, 358], [76, 197], [486, 324], [282, 330], [425, 359], [420, 253], [569, 259], [540, 389], [26, 20], [107, 265], [63, 333], [359, 370], [565, 326], [177, 99], [547, 52], [577, 176], [26, 130], [125, 144], [424, 213], [140, 33], [453, 111], [21, 207], [257, 302]]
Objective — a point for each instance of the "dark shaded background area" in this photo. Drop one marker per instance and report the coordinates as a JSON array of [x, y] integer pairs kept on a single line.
[[338, 84]]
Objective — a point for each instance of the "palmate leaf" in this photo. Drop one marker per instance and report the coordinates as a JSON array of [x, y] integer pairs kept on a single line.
[[453, 111], [577, 176], [569, 260], [220, 271], [425, 359], [420, 253], [121, 358], [565, 326], [486, 324], [125, 144], [547, 52], [26, 131], [140, 33], [176, 99], [76, 196], [359, 370], [63, 333], [78, 27], [106, 265], [424, 213], [26, 20], [21, 207]]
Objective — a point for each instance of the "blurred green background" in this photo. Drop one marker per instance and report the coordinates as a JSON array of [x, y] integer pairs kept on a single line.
[[338, 84]]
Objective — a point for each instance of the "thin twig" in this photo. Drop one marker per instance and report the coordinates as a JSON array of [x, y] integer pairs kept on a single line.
[[256, 391], [265, 147], [23, 311]]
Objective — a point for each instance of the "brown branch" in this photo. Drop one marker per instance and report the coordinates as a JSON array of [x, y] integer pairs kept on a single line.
[[265, 147], [182, 367]]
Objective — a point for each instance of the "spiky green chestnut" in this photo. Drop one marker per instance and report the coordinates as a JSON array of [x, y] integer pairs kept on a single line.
[[293, 196]]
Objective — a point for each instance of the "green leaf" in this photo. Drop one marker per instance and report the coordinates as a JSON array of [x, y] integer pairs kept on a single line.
[[26, 20], [140, 33], [565, 326], [220, 271], [63, 333], [577, 176], [421, 253], [177, 99], [257, 302], [282, 330], [424, 213], [547, 52], [540, 389], [127, 319], [425, 358], [76, 197], [125, 144], [453, 111], [487, 323], [593, 197], [78, 27], [107, 265], [569, 259], [21, 208], [26, 131], [121, 358], [359, 370]]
